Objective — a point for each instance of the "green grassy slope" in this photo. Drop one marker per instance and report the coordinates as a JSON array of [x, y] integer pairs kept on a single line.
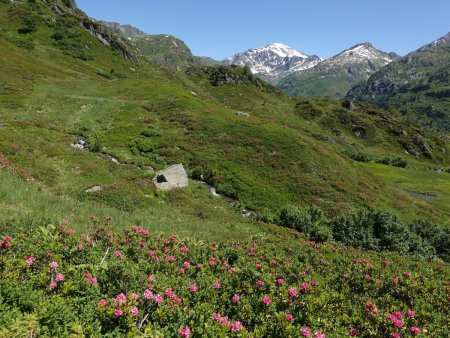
[[286, 151]]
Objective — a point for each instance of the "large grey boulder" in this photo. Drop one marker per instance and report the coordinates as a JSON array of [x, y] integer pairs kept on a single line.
[[171, 178]]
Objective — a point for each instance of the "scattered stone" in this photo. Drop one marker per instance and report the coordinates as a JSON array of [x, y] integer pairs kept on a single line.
[[112, 159], [172, 177], [194, 93], [360, 132], [239, 113], [94, 188], [214, 191], [80, 144]]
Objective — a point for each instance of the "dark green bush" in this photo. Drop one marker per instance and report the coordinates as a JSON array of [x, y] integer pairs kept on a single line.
[[30, 25], [435, 235], [396, 162], [310, 221], [359, 155]]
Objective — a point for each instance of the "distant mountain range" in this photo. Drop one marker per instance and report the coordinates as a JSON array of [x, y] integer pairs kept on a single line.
[[335, 76], [417, 85]]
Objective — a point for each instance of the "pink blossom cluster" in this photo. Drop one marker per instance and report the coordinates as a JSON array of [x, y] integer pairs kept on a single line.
[[6, 242], [224, 321]]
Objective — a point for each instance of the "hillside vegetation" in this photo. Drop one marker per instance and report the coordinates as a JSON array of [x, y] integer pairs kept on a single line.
[[281, 151]]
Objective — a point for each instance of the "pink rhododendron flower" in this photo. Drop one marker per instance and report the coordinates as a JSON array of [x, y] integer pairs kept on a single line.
[[289, 317], [211, 261], [134, 311], [411, 314], [266, 300], [53, 265], [193, 288], [120, 299], [185, 332], [176, 300], [304, 287], [59, 278], [186, 265], [29, 260], [280, 281], [292, 292], [395, 335], [119, 254], [80, 246], [158, 299], [408, 274], [235, 298], [53, 285], [147, 294], [353, 332], [6, 243], [102, 303], [258, 266], [231, 271], [395, 280], [398, 314], [89, 278], [199, 266], [151, 278], [259, 283], [319, 334], [414, 330], [386, 263], [236, 326], [135, 296], [184, 249], [170, 259], [216, 285], [169, 292], [305, 332], [118, 313]]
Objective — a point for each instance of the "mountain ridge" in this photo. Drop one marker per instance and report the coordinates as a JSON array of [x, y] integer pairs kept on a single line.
[[416, 85], [336, 75]]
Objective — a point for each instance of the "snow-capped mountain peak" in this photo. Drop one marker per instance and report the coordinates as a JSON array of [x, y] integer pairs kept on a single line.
[[360, 54], [284, 50], [273, 60]]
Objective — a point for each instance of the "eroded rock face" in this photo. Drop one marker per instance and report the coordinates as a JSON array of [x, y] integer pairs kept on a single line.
[[172, 177], [101, 33]]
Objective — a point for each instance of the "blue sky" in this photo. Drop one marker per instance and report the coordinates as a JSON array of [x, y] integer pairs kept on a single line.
[[325, 27]]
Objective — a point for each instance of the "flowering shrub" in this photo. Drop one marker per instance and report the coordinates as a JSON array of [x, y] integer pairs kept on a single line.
[[138, 283]]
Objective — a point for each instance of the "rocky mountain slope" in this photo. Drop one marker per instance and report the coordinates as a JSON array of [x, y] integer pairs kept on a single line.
[[162, 49], [273, 61], [417, 85], [335, 76]]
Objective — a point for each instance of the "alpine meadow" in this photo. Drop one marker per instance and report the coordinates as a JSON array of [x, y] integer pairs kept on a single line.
[[149, 192]]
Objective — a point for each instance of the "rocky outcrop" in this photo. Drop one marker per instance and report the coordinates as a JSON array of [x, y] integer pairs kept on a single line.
[[170, 178], [101, 33]]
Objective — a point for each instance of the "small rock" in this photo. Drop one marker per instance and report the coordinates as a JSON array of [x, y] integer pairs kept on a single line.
[[194, 93], [81, 144], [95, 188], [239, 113]]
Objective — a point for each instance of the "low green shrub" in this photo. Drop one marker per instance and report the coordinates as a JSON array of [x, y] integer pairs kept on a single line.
[[359, 155]]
